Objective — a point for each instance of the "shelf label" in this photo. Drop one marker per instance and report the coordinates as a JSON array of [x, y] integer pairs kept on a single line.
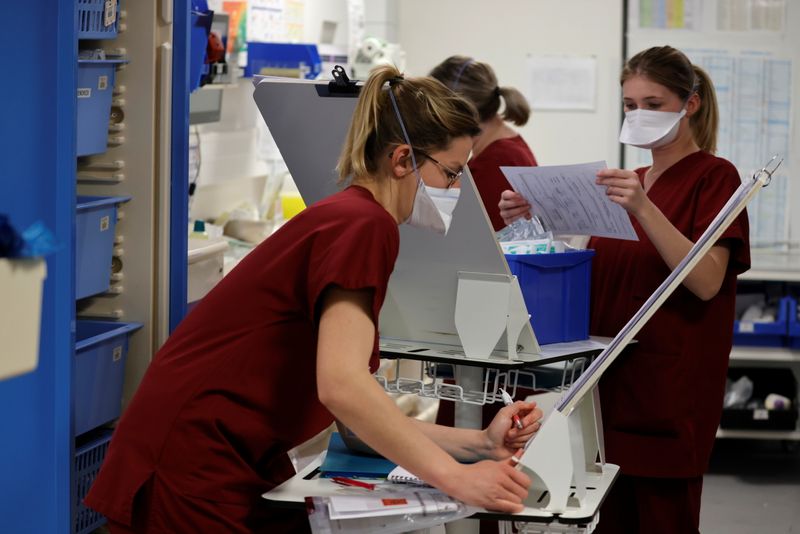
[[102, 83], [105, 223], [84, 92], [761, 415], [110, 12], [117, 354]]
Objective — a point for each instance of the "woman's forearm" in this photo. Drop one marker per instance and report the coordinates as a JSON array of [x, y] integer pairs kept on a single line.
[[375, 418], [706, 278], [464, 444]]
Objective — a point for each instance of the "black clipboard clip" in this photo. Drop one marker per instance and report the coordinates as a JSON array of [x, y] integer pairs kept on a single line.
[[768, 169], [342, 85]]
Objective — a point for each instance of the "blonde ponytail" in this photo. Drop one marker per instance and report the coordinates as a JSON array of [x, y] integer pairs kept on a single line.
[[353, 159], [432, 113], [705, 121]]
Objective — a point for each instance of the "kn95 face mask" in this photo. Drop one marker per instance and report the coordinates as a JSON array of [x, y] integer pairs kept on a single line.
[[433, 207]]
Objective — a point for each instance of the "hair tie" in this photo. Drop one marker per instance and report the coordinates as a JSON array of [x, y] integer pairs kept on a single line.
[[497, 91], [396, 80], [461, 70]]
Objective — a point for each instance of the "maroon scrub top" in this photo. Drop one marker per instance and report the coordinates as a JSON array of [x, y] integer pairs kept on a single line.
[[234, 387], [489, 179], [662, 398]]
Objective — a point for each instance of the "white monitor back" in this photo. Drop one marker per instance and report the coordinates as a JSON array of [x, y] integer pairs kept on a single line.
[[309, 130]]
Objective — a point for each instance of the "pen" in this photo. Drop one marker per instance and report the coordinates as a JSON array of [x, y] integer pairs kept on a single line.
[[508, 402], [354, 483]]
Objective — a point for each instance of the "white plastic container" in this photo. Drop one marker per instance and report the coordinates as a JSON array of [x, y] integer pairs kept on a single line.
[[206, 262], [21, 282]]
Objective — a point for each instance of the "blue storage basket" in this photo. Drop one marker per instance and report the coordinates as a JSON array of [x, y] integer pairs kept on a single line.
[[88, 460], [200, 30], [556, 292], [100, 351], [97, 19], [95, 222], [764, 334], [95, 88]]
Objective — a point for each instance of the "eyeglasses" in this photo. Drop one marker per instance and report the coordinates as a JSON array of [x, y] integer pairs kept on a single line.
[[452, 176]]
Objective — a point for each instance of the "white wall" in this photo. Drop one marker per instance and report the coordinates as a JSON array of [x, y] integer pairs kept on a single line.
[[503, 33]]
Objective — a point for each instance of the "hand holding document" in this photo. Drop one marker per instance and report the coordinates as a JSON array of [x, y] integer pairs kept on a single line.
[[569, 201]]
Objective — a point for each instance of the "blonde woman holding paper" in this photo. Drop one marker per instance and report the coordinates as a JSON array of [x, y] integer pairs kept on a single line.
[[662, 399]]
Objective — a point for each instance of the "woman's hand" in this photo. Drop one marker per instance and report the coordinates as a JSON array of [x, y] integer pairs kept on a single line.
[[489, 484], [513, 206], [504, 437], [624, 188]]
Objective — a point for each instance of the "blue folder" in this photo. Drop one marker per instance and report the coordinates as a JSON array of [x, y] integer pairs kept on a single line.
[[342, 462]]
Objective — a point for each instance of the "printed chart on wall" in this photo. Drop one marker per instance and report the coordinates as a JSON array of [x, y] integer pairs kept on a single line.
[[743, 46]]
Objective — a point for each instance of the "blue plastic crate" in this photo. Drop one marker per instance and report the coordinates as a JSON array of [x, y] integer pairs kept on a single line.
[[764, 334], [282, 56], [95, 222], [556, 291], [100, 351], [95, 88], [88, 460], [97, 19], [200, 29]]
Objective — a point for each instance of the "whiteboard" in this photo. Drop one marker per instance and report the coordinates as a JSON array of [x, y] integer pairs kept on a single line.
[[310, 130]]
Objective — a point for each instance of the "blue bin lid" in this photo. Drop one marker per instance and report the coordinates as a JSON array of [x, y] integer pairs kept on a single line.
[[99, 331], [555, 260], [89, 202]]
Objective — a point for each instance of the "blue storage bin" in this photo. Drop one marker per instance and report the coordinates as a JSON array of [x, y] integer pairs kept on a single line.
[[97, 19], [556, 291], [100, 351], [95, 222], [282, 56], [764, 334], [95, 88], [199, 32], [88, 460], [794, 323]]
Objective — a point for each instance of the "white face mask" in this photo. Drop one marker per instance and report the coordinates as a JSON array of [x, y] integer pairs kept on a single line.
[[646, 128], [433, 208]]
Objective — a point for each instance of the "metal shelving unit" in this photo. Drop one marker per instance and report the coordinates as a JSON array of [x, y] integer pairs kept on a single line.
[[768, 268]]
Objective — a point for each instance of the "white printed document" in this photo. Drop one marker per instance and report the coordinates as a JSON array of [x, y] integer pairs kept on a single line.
[[568, 200], [417, 502]]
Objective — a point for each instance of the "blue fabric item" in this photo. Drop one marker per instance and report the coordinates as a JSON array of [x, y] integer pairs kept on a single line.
[[342, 462], [38, 241], [10, 241]]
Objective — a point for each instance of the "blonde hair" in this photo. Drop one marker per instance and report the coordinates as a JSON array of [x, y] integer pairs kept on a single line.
[[477, 82], [671, 68], [433, 116]]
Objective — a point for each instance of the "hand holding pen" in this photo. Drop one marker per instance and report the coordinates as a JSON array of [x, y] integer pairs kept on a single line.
[[508, 401], [505, 435]]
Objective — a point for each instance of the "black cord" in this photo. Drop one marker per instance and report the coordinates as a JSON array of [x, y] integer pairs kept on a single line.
[[193, 182]]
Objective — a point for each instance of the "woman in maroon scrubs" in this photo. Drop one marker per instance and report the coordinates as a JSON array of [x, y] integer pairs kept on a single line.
[[662, 399], [498, 144], [288, 341]]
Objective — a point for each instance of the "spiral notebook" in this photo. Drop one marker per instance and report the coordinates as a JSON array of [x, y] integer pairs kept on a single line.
[[402, 476]]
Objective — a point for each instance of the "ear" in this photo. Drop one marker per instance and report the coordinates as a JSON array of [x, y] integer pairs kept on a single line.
[[693, 104], [401, 163]]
